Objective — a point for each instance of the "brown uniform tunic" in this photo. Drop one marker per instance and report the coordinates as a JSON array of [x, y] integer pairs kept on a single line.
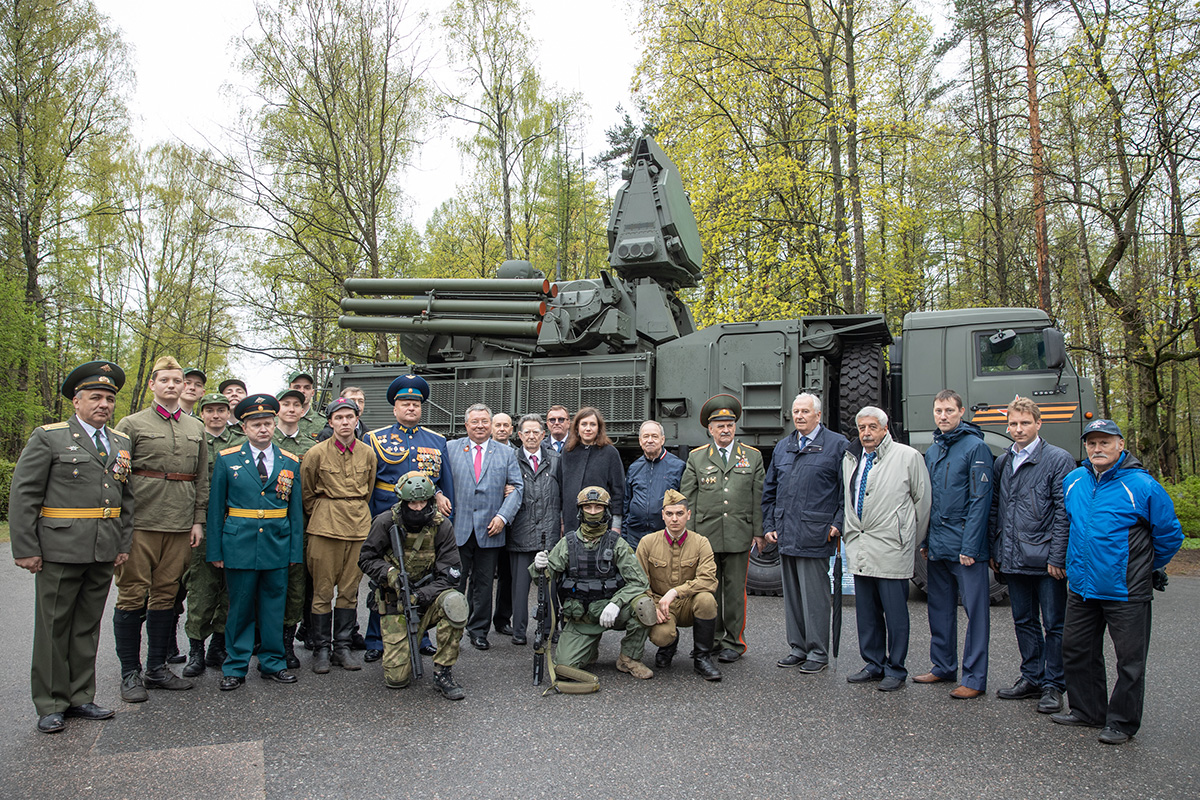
[[690, 569]]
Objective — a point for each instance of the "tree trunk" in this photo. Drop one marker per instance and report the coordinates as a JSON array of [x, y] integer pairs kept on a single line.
[[1039, 167]]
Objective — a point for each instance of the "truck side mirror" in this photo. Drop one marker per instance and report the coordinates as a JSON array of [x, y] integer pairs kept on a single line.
[[1056, 348]]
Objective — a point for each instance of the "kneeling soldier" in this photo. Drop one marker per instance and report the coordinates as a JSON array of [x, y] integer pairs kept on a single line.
[[431, 560], [682, 571], [602, 587]]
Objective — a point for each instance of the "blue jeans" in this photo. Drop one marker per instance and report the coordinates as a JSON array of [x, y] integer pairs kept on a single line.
[[1039, 601]]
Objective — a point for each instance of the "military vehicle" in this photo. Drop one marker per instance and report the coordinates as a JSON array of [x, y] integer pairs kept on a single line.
[[627, 344]]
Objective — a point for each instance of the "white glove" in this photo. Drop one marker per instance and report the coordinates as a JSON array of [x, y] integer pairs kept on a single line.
[[609, 615], [541, 560]]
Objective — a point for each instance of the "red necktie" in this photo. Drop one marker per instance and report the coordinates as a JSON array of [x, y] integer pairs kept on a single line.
[[478, 461], [533, 460]]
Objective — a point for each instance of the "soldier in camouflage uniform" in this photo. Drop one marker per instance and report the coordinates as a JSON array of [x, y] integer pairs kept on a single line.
[[603, 586], [208, 601], [431, 558]]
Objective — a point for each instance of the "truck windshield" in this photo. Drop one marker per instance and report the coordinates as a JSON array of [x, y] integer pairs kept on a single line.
[[1026, 352]]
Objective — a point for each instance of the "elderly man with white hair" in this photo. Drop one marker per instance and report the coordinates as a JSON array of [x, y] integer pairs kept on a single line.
[[887, 513], [802, 513]]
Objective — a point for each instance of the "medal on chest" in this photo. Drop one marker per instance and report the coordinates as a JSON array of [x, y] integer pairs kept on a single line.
[[283, 484], [120, 467]]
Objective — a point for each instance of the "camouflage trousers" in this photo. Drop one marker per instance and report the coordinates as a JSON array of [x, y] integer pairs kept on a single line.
[[397, 666], [579, 643], [207, 597]]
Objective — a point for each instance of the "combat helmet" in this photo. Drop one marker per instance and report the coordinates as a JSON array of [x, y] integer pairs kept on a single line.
[[415, 486], [594, 494]]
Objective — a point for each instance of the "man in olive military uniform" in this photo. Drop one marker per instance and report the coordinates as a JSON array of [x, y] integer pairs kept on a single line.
[[431, 560], [602, 587], [291, 436], [194, 381], [169, 478], [400, 448], [311, 420], [682, 572], [208, 601], [723, 483], [255, 530], [71, 522]]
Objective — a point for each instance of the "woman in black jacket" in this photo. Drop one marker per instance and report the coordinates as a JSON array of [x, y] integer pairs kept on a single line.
[[589, 459]]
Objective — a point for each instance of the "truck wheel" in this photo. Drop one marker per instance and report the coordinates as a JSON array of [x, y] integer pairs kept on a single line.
[[860, 383], [997, 591], [762, 574]]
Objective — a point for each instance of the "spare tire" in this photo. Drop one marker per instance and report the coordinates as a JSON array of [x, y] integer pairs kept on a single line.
[[763, 576], [860, 383]]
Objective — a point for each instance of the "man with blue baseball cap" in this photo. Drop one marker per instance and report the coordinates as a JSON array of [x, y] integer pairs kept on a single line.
[[1123, 533]]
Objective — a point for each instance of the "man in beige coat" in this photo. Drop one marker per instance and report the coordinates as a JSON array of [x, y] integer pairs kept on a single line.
[[887, 513]]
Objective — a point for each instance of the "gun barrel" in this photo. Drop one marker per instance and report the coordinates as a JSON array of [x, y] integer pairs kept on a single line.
[[415, 286], [419, 305], [527, 329]]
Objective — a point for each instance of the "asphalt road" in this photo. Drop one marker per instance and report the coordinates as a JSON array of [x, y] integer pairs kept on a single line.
[[762, 732]]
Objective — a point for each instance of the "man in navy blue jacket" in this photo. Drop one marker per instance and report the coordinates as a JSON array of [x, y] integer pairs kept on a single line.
[[802, 512], [1123, 533], [646, 481], [960, 477]]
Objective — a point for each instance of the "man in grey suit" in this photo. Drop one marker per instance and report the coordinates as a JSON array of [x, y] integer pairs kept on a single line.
[[482, 467]]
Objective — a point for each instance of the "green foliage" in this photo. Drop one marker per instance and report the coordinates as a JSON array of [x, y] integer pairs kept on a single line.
[[1186, 496], [6, 473]]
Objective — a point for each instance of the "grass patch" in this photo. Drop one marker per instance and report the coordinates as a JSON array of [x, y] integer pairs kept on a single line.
[[3, 531], [1191, 544]]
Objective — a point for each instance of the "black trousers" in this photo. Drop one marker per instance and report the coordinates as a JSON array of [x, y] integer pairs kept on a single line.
[[1128, 626], [478, 571], [504, 590]]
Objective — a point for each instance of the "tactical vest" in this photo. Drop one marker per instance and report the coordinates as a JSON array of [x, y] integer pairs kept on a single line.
[[592, 574], [420, 549]]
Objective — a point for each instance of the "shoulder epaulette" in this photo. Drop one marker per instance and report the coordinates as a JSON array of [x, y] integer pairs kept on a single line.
[[380, 430], [122, 434], [54, 426], [750, 447], [435, 433], [292, 456], [698, 449], [229, 450]]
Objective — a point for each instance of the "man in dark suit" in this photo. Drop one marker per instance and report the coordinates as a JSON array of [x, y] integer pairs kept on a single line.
[[255, 530], [71, 522], [802, 513], [481, 467]]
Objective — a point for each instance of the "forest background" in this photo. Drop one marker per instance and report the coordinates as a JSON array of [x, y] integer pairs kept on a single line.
[[840, 156]]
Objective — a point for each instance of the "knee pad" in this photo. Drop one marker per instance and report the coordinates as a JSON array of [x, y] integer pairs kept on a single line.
[[454, 606], [646, 611]]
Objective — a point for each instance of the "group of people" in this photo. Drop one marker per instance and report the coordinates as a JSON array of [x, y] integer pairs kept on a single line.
[[265, 517]]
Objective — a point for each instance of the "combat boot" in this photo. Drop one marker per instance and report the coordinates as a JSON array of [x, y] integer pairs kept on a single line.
[[159, 635], [662, 659], [195, 662], [132, 690], [443, 680], [343, 625], [318, 634], [703, 631], [635, 668], [216, 650], [289, 647]]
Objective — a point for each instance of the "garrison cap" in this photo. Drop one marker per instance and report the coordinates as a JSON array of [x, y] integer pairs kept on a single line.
[[196, 371], [408, 387], [294, 393], [340, 404], [256, 405], [213, 399], [674, 497], [720, 407], [93, 375], [592, 494], [294, 376], [225, 384], [165, 363], [1102, 426]]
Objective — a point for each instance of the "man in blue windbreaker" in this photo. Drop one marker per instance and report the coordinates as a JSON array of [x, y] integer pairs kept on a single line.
[[1123, 533]]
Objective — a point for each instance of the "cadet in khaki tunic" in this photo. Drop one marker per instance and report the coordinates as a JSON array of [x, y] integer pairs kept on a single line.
[[683, 577], [338, 476], [723, 483], [71, 521], [208, 601], [170, 490], [290, 436]]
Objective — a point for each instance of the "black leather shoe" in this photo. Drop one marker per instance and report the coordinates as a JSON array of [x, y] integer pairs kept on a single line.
[[283, 676], [504, 630], [813, 667], [890, 684], [1020, 690], [520, 640], [89, 711], [1069, 718], [1107, 736], [1051, 702], [480, 642], [864, 675], [372, 656], [427, 649], [52, 723], [231, 682], [728, 655], [357, 642], [789, 661]]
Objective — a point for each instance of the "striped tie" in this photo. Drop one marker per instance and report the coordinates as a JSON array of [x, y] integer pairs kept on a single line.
[[862, 484]]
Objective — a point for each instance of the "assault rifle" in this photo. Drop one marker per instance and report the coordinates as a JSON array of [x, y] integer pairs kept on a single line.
[[410, 615], [541, 636]]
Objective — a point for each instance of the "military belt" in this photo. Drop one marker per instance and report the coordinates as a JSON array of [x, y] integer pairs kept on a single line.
[[385, 486], [168, 476], [80, 513], [259, 513]]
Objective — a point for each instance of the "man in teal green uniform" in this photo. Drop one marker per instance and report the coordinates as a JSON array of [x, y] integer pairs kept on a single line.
[[255, 530]]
